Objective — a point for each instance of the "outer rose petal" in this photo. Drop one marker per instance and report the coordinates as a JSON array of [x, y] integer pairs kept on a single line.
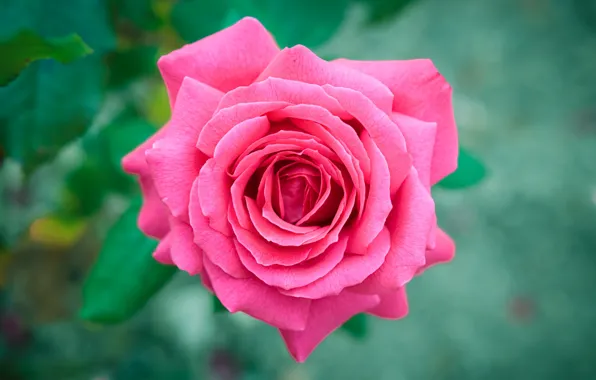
[[162, 252], [394, 305], [420, 140], [258, 300], [153, 218], [378, 202], [443, 252], [410, 222], [225, 60], [421, 92], [300, 64], [325, 316], [184, 252], [352, 270], [174, 160], [218, 248], [135, 161]]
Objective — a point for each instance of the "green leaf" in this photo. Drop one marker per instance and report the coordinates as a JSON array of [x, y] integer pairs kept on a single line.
[[384, 10], [356, 326], [470, 171], [308, 22], [124, 135], [131, 64], [125, 275], [27, 46], [140, 12], [101, 172], [218, 307], [195, 19], [50, 104]]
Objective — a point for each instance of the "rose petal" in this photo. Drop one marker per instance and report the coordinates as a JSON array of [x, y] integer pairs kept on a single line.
[[218, 248], [378, 201], [225, 60], [352, 270], [266, 253], [135, 162], [153, 217], [420, 140], [351, 164], [214, 195], [331, 130], [226, 119], [297, 138], [344, 211], [381, 129], [174, 160], [283, 90], [296, 276], [300, 64], [258, 300], [421, 92], [393, 305], [237, 139], [184, 252], [268, 212], [443, 252], [409, 222], [277, 235], [325, 316], [162, 252], [248, 164]]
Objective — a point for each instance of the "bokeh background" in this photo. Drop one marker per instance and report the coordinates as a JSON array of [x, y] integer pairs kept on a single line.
[[518, 302]]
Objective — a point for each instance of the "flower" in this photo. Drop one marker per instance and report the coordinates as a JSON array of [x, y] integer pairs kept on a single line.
[[298, 189]]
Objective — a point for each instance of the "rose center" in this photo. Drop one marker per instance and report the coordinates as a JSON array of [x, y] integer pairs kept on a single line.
[[299, 188]]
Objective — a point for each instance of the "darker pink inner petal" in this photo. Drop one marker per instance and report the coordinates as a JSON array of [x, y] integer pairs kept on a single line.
[[299, 187]]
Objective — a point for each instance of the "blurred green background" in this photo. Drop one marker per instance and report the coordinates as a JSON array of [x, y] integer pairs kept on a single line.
[[518, 302]]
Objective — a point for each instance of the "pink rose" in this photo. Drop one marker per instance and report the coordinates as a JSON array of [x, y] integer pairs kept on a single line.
[[298, 189]]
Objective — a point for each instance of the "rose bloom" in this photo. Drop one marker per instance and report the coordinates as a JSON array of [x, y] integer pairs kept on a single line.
[[298, 189]]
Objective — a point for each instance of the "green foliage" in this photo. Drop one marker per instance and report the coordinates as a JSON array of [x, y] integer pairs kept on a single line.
[[125, 275], [470, 171], [128, 65], [101, 172], [27, 46], [383, 10], [195, 19], [139, 12], [50, 104], [308, 22], [357, 326], [218, 307]]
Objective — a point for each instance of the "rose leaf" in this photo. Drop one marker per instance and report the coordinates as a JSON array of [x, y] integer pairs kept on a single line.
[[125, 275], [470, 171], [356, 326]]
